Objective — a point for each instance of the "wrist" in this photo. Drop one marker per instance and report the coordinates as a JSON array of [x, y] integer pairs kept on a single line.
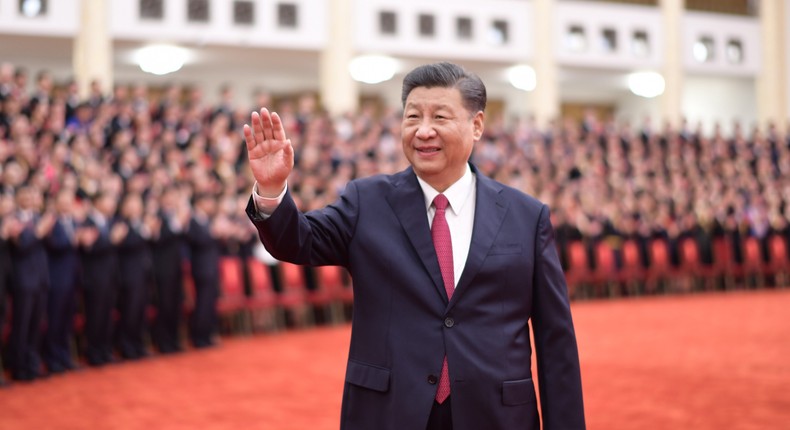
[[268, 191]]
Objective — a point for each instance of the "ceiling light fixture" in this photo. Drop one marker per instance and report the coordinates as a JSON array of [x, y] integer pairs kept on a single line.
[[373, 69], [161, 59]]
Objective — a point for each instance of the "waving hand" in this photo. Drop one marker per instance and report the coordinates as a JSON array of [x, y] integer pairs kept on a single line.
[[269, 151]]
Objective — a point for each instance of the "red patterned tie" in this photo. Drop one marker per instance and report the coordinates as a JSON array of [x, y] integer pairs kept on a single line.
[[440, 232]]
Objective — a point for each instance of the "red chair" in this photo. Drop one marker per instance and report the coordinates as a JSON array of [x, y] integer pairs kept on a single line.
[[779, 262], [232, 302], [723, 262], [753, 266], [660, 270], [632, 274], [691, 270], [578, 275], [262, 303], [605, 274], [294, 298]]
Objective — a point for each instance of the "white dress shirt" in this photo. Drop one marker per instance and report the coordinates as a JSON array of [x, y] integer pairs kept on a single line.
[[460, 217]]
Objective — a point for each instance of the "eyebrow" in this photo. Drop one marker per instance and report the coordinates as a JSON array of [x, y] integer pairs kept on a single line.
[[441, 106]]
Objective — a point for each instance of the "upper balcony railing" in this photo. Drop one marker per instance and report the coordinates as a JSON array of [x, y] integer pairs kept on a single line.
[[587, 33]]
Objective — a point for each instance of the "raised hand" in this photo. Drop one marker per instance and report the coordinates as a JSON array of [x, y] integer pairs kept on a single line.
[[269, 151]]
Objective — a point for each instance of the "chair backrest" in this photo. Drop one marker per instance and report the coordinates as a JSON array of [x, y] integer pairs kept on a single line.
[[722, 254], [231, 279], [330, 278], [260, 277], [659, 255], [577, 257], [604, 260], [779, 255], [631, 255], [689, 253], [293, 277], [752, 257]]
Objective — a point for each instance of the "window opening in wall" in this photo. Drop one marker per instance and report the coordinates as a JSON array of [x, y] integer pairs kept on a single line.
[[734, 51], [463, 28], [33, 8], [197, 10], [388, 22], [287, 15], [244, 12], [426, 24], [576, 39], [640, 44], [499, 33], [609, 40], [152, 9], [704, 49]]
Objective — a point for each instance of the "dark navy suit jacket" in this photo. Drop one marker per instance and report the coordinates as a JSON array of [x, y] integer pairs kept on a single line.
[[403, 323], [29, 260], [64, 263]]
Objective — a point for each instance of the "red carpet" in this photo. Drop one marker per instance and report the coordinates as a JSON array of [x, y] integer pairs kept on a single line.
[[693, 362]]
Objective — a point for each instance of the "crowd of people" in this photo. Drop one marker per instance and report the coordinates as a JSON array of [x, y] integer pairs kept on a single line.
[[103, 198]]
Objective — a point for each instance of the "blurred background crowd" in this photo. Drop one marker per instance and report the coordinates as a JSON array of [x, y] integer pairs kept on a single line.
[[117, 209]]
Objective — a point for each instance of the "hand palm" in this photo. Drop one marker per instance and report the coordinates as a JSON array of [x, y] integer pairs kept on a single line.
[[270, 153]]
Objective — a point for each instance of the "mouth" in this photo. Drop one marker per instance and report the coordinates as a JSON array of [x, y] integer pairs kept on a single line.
[[428, 151]]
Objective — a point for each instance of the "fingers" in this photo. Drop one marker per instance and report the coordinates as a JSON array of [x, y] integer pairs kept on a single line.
[[278, 131], [248, 138], [266, 124], [265, 129]]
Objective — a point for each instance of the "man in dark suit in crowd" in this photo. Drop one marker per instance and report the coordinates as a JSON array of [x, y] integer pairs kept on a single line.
[[204, 250], [168, 254], [448, 267], [29, 284], [99, 237], [7, 224], [135, 275], [64, 271]]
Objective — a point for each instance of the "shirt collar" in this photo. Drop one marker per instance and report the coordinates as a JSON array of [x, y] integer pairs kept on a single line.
[[457, 194]]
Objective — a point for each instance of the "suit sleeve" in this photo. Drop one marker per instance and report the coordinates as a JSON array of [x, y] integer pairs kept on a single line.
[[317, 238], [559, 375]]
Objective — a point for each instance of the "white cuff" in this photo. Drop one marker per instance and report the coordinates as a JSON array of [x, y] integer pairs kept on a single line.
[[266, 205]]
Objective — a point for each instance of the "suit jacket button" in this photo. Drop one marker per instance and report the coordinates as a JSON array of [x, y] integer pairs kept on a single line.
[[432, 379], [449, 322]]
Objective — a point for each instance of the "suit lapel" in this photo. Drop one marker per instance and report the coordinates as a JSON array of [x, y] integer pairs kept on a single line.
[[408, 204], [490, 209]]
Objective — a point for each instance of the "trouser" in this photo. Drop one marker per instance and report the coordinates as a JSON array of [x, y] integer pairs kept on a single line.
[[170, 300], [131, 325], [203, 320], [99, 304], [61, 302], [27, 312]]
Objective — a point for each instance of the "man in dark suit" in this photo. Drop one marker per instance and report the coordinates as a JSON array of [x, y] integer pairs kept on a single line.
[[204, 251], [99, 237], [448, 267], [168, 253], [64, 267], [135, 267], [30, 281]]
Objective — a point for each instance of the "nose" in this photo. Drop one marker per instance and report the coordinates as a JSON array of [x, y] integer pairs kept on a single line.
[[425, 131]]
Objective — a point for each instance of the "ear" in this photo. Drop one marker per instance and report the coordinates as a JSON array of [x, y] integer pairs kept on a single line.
[[478, 124]]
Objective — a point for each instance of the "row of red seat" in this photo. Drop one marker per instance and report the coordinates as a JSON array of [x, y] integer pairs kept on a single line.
[[632, 277], [265, 308]]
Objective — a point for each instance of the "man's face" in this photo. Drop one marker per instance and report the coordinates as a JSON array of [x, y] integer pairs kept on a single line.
[[439, 134]]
